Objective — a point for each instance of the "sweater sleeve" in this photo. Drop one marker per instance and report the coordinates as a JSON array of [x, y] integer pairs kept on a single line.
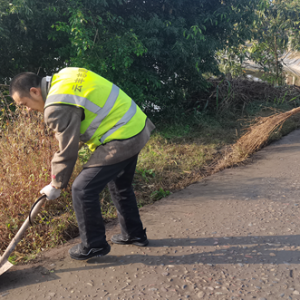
[[65, 120]]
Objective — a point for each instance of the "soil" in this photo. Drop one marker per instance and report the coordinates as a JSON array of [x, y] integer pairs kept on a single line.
[[234, 235]]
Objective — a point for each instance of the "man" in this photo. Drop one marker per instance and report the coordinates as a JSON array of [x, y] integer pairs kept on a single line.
[[81, 106]]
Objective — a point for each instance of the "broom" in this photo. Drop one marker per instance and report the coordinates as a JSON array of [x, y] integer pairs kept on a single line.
[[259, 133]]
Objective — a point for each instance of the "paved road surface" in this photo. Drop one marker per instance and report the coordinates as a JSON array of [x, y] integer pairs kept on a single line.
[[235, 235]]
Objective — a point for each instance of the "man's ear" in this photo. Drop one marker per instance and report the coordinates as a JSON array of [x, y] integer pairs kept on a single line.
[[35, 91]]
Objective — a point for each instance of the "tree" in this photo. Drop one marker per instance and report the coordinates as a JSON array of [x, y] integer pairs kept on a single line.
[[157, 51], [275, 32], [24, 44]]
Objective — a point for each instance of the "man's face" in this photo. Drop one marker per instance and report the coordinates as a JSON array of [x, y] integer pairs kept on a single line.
[[34, 102]]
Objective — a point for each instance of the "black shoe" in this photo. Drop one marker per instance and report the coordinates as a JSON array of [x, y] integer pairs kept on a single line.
[[137, 241], [82, 253]]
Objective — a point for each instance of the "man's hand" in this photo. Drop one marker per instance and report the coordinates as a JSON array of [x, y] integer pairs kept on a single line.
[[51, 192]]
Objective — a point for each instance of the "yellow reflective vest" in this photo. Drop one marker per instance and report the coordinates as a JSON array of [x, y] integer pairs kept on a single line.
[[109, 114]]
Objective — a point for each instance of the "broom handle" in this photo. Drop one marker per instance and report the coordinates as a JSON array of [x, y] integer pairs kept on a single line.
[[21, 232]]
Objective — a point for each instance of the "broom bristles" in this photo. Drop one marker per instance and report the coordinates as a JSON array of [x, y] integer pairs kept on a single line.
[[253, 140], [259, 133]]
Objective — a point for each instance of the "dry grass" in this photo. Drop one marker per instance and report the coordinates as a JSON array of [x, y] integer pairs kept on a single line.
[[168, 165], [26, 150], [235, 94]]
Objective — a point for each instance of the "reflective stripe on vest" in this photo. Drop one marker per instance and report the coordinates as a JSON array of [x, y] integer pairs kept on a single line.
[[109, 113], [101, 112], [125, 119]]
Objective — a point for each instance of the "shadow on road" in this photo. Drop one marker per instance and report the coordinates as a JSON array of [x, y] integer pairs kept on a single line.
[[222, 250]]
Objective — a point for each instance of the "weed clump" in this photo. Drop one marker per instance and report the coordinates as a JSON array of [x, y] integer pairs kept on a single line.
[[26, 150]]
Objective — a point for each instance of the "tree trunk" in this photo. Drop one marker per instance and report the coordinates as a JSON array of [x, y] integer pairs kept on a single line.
[[276, 58]]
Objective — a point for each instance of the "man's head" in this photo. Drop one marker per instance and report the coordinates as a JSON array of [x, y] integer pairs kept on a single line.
[[25, 89]]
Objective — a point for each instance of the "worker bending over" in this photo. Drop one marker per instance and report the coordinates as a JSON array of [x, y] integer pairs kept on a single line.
[[81, 106]]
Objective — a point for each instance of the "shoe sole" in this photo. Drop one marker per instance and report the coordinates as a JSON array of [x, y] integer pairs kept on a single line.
[[144, 244], [107, 250]]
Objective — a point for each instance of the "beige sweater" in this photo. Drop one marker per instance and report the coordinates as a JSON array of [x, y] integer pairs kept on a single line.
[[65, 121]]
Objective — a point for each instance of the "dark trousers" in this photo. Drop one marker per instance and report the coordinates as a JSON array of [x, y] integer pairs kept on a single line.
[[85, 193]]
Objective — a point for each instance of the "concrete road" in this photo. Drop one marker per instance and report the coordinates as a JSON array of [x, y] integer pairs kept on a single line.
[[235, 235]]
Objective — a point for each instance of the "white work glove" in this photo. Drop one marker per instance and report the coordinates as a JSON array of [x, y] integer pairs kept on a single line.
[[50, 192]]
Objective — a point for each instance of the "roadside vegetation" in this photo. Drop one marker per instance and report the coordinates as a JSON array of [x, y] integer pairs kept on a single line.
[[181, 61], [178, 154]]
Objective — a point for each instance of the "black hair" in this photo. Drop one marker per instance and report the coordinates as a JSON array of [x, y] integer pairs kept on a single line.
[[23, 82]]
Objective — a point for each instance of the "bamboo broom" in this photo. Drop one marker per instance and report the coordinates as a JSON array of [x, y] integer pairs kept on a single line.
[[259, 133]]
